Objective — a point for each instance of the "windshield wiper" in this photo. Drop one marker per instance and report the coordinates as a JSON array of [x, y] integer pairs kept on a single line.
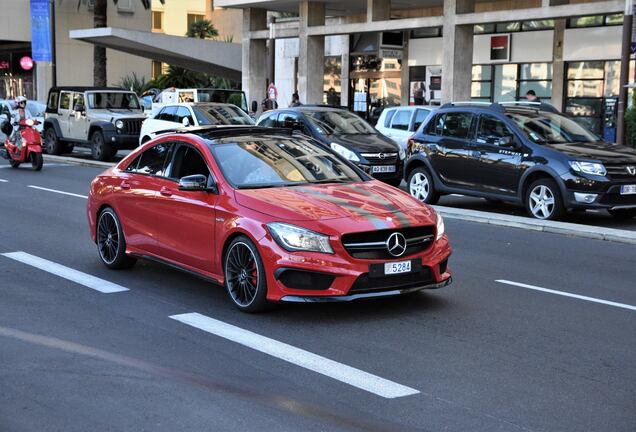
[[267, 186], [328, 181]]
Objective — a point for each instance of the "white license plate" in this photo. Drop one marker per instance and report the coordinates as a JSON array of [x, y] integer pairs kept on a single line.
[[628, 189], [383, 169], [397, 267]]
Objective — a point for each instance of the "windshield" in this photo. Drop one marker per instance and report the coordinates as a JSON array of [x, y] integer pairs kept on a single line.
[[221, 115], [36, 108], [338, 122], [114, 100], [278, 162], [551, 128], [223, 96]]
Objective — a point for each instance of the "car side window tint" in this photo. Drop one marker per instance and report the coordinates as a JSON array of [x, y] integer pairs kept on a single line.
[[183, 112], [78, 101], [51, 106], [153, 160], [490, 130], [269, 120], [170, 114], [457, 124], [159, 115], [420, 116], [389, 117], [436, 125], [187, 161], [401, 120], [65, 101], [132, 167]]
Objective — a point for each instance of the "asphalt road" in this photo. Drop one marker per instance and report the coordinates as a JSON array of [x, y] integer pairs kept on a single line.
[[480, 355]]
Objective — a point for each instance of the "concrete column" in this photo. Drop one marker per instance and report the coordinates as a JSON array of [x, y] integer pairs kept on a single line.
[[405, 71], [458, 52], [344, 77], [558, 65], [311, 53], [378, 10], [254, 56], [43, 80]]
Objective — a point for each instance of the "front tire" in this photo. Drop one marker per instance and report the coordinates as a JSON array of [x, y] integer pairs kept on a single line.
[[543, 200], [100, 149], [245, 279], [623, 214], [52, 142], [14, 163], [111, 244], [37, 161], [420, 186]]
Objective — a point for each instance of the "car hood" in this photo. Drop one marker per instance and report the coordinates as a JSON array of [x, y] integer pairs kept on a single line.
[[108, 116], [603, 152], [365, 143], [371, 202]]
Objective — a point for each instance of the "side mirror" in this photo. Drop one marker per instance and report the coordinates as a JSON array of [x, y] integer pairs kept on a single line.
[[196, 182], [254, 106], [185, 122]]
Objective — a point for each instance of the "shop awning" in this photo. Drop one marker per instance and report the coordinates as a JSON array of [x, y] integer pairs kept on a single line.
[[217, 58]]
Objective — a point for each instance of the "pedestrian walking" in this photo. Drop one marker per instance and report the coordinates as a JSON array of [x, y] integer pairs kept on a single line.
[[531, 96], [295, 100]]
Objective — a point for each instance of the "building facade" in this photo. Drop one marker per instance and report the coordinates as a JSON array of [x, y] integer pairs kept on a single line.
[[367, 54], [74, 64]]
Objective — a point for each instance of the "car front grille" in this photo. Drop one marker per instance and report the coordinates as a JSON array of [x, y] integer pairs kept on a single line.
[[373, 244], [367, 284], [381, 158], [132, 126], [620, 171]]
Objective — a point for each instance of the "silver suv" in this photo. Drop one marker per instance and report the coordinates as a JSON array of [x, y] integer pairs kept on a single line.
[[104, 119]]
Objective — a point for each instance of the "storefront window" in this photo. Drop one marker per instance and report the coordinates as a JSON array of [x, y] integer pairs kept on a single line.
[[510, 82], [376, 83], [333, 82], [616, 19], [505, 85]]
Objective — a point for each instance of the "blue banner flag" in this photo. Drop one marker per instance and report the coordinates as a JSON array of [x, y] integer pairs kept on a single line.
[[41, 31]]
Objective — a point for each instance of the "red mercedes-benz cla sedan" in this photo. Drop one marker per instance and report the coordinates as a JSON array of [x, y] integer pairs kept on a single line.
[[270, 214]]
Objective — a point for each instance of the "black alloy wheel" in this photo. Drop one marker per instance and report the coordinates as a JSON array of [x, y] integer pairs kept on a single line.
[[245, 275], [100, 149], [52, 143], [111, 244]]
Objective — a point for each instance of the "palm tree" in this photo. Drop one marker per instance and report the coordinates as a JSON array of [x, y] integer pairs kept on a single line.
[[202, 29], [100, 10]]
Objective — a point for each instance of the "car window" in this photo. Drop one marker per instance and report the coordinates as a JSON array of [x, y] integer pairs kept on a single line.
[[221, 114], [287, 119], [78, 100], [436, 125], [169, 114], [52, 103], [187, 161], [420, 116], [491, 129], [132, 167], [153, 160], [401, 120], [183, 112], [339, 122], [389, 117], [456, 124], [268, 120], [65, 100]]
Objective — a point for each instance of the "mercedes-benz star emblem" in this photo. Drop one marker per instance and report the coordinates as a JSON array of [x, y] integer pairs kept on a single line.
[[396, 244], [631, 170]]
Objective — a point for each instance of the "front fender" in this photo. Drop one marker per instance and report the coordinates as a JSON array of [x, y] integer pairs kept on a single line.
[[106, 128], [53, 123], [543, 169]]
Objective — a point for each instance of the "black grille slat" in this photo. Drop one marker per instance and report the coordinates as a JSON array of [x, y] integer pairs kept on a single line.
[[372, 244], [132, 126], [366, 284], [619, 171]]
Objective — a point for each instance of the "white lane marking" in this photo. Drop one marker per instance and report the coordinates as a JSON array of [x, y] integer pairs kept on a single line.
[[4, 181], [57, 191], [346, 374], [46, 165], [567, 294], [68, 273]]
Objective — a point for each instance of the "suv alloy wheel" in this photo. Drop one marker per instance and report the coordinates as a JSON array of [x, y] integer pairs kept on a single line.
[[543, 200], [420, 184], [100, 149]]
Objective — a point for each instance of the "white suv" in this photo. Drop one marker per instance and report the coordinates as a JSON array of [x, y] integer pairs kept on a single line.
[[400, 123]]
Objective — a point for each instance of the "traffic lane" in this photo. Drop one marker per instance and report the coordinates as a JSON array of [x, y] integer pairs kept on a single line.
[[593, 218], [84, 153], [67, 352], [62, 177], [333, 330]]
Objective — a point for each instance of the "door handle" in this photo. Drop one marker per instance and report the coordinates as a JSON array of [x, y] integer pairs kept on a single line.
[[165, 191], [125, 185]]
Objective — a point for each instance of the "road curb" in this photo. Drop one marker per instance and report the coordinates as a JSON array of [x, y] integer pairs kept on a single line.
[[78, 161], [554, 227]]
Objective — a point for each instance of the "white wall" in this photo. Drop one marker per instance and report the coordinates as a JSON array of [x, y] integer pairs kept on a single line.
[[594, 43], [423, 52], [15, 20], [526, 47]]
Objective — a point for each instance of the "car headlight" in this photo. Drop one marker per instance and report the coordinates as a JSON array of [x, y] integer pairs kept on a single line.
[[402, 154], [588, 168], [294, 238], [119, 124], [440, 227], [344, 152]]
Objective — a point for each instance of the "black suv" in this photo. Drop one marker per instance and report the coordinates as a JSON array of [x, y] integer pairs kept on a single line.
[[521, 154], [346, 134]]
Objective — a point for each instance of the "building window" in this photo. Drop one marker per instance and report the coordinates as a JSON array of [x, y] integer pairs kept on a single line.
[[157, 21], [428, 32], [511, 82], [332, 86], [156, 69], [595, 21], [192, 18], [512, 27]]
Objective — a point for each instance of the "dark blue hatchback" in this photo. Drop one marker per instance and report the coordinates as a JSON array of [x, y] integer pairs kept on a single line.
[[523, 154]]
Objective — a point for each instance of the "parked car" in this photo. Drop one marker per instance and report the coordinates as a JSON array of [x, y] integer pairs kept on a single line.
[[104, 119], [400, 123], [179, 115], [346, 134], [521, 154], [272, 215]]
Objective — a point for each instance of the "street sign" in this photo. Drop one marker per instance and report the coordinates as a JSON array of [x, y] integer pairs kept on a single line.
[[41, 31]]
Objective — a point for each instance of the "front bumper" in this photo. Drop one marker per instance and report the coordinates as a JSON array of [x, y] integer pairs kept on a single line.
[[124, 142], [318, 277], [603, 193], [398, 174]]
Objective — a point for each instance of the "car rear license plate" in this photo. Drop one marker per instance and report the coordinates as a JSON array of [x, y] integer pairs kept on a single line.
[[383, 169], [628, 189], [397, 267]]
